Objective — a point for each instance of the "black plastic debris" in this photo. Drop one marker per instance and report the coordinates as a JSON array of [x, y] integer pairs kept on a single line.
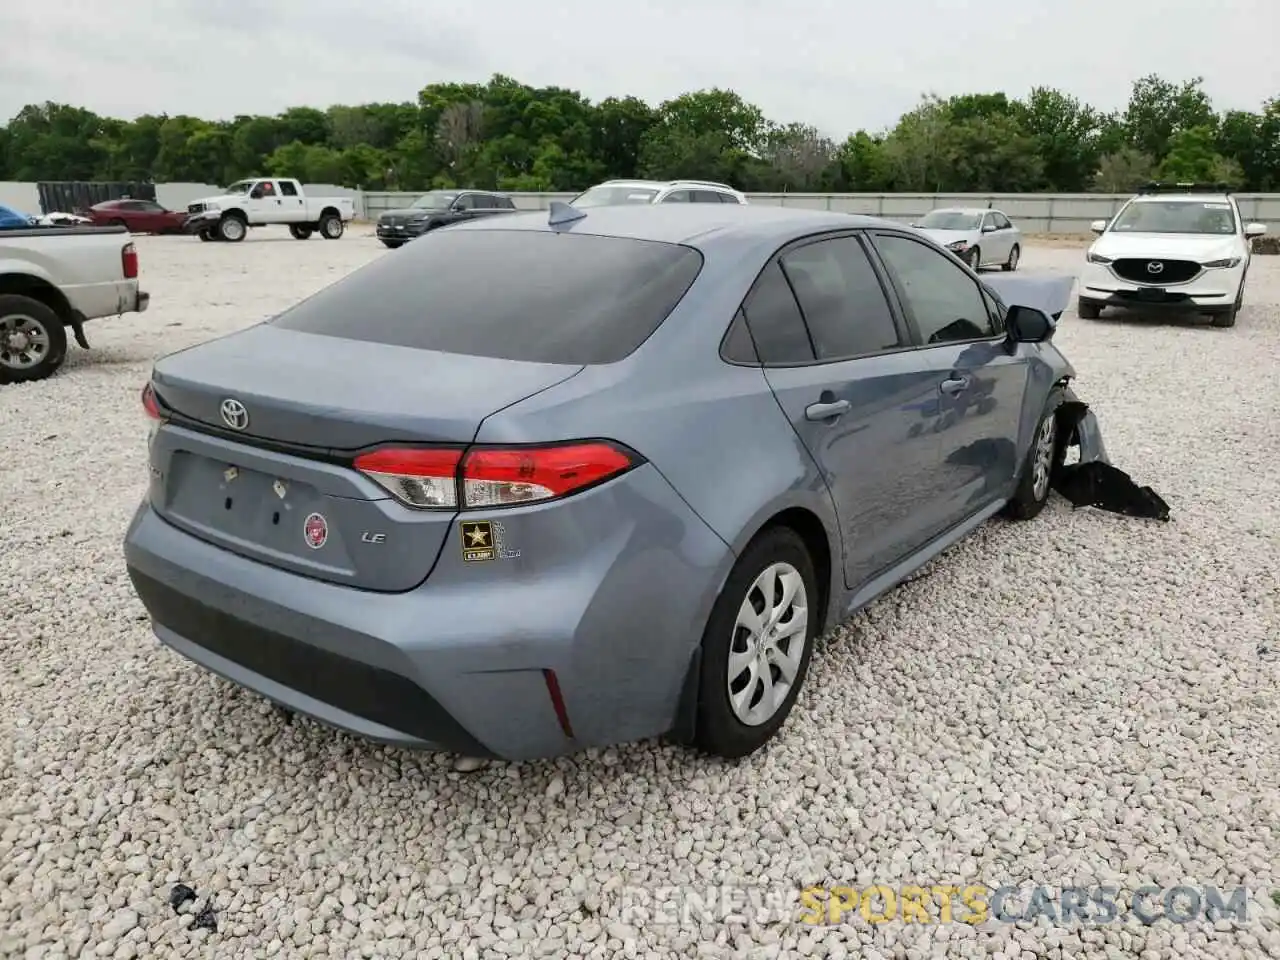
[[206, 919], [1098, 484], [179, 895]]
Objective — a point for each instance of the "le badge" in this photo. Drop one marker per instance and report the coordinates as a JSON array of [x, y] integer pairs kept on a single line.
[[477, 540]]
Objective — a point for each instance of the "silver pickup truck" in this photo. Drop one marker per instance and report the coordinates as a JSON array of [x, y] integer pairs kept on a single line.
[[52, 278]]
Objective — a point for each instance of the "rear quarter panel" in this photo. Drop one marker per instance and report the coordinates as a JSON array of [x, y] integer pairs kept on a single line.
[[84, 263]]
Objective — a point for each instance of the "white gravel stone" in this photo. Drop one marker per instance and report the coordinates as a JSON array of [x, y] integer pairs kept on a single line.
[[1084, 700]]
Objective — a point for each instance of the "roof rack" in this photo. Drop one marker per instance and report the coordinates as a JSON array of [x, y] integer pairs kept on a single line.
[[706, 183], [1157, 187]]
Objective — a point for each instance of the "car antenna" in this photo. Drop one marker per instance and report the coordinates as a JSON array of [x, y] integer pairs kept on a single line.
[[563, 213]]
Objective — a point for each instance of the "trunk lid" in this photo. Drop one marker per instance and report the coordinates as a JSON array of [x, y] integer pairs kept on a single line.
[[279, 490]]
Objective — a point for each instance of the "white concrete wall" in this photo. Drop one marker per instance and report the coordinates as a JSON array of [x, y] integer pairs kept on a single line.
[[1034, 212]]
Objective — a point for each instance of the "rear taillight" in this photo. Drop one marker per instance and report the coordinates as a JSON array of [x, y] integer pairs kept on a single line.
[[150, 404], [492, 476], [129, 261]]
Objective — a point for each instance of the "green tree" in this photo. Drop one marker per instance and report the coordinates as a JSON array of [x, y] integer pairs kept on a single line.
[[1158, 109], [1067, 137], [1123, 171]]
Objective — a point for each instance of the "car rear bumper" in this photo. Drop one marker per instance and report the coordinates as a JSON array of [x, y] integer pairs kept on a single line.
[[460, 663]]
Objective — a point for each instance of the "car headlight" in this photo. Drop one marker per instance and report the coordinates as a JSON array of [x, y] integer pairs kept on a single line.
[[1224, 264], [1096, 257], [958, 245]]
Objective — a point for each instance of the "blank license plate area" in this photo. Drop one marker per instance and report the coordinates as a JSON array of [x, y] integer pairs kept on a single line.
[[243, 504], [1152, 294]]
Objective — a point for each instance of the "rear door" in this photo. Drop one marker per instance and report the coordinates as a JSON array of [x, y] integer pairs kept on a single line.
[[854, 390], [979, 385], [293, 206]]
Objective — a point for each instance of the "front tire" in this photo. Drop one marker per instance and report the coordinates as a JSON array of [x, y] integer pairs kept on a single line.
[[393, 244], [299, 232], [232, 229], [975, 259], [1228, 319], [33, 340], [331, 226], [1087, 310], [757, 645], [1011, 264], [1042, 461]]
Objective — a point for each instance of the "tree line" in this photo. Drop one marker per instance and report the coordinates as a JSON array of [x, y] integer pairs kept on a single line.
[[506, 135]]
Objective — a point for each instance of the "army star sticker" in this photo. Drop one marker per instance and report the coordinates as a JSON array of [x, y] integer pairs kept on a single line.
[[477, 541]]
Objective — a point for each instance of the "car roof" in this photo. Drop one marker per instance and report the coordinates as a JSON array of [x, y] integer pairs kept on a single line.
[[698, 225], [971, 210], [658, 184], [1182, 197]]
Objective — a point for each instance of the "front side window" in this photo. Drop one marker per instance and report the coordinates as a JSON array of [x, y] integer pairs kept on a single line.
[[943, 299]]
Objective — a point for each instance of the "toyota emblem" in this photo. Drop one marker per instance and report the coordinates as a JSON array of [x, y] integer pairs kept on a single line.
[[234, 415], [1155, 266]]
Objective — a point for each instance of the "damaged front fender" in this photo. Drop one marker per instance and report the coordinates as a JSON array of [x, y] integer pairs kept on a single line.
[[1091, 481]]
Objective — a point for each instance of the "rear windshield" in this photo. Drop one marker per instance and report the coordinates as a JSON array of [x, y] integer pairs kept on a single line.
[[510, 294]]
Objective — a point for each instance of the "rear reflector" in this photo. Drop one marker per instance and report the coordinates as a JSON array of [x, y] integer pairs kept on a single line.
[[492, 476]]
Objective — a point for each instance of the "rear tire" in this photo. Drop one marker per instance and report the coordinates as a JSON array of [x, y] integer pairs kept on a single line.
[[778, 561], [117, 222], [1011, 264], [33, 339], [1087, 310], [1042, 461], [232, 229], [331, 226]]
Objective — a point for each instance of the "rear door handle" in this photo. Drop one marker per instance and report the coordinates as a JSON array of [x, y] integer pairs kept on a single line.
[[954, 385], [825, 411]]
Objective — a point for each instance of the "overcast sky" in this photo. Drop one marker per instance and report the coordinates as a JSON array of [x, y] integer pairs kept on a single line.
[[838, 65]]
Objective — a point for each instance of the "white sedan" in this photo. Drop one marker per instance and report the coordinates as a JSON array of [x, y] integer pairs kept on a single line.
[[981, 238]]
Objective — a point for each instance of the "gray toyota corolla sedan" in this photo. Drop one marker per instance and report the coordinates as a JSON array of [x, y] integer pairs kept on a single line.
[[548, 481]]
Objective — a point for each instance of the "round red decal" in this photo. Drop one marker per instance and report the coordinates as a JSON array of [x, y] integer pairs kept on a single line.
[[316, 531]]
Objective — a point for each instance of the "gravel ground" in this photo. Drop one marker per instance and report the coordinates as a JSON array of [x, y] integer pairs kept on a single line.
[[1082, 700]]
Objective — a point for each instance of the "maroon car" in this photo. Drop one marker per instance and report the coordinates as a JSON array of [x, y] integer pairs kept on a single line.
[[140, 216]]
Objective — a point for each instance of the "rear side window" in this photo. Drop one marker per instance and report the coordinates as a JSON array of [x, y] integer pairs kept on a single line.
[[504, 203], [706, 196], [841, 298], [509, 294], [288, 189], [774, 319]]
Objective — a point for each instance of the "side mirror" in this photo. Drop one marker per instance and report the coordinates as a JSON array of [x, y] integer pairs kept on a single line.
[[1098, 226], [988, 228], [1255, 229], [1028, 325]]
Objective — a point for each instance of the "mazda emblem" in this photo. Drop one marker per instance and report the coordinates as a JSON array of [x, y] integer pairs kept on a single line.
[[234, 415], [1155, 266]]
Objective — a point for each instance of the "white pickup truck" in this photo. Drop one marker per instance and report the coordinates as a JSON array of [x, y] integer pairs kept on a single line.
[[260, 201], [52, 278]]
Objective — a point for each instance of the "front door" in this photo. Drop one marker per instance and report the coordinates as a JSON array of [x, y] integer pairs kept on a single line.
[[838, 358], [980, 384]]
